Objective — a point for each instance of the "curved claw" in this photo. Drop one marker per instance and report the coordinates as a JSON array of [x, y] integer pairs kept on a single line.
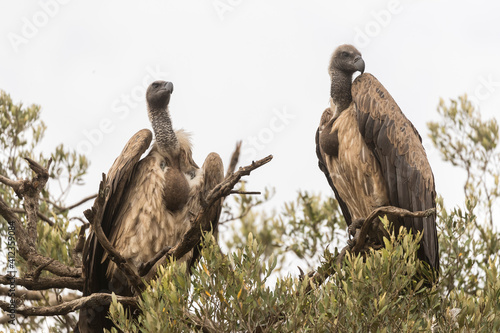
[[356, 224], [351, 242]]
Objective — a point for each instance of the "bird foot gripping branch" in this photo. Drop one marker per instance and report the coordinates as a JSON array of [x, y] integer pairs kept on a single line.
[[361, 242]]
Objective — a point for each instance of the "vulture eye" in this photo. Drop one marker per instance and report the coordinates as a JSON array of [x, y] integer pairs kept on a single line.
[[155, 85], [345, 54]]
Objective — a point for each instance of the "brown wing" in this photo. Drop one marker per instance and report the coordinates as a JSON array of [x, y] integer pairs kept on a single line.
[[118, 178], [325, 119], [398, 147], [213, 174]]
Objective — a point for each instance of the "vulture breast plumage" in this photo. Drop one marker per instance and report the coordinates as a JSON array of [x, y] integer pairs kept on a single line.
[[151, 203], [371, 153]]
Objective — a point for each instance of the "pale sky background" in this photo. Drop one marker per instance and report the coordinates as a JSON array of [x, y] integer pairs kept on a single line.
[[242, 70]]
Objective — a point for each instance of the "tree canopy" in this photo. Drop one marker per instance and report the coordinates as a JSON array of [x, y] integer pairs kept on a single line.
[[249, 286]]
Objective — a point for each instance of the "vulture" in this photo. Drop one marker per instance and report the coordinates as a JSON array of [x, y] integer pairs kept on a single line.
[[151, 203], [372, 155]]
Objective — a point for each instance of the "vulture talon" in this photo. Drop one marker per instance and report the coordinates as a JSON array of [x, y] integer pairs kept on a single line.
[[355, 225]]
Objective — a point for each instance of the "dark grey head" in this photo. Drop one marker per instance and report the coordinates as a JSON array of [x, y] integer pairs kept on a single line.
[[158, 94], [347, 59]]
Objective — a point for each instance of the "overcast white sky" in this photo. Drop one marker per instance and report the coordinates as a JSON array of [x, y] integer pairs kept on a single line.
[[243, 70]]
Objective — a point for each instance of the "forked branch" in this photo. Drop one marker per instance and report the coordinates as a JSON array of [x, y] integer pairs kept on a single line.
[[201, 222]]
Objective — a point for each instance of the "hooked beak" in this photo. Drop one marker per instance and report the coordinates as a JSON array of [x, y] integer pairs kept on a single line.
[[169, 87], [359, 64]]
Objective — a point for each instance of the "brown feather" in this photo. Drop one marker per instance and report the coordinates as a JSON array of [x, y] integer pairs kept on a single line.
[[325, 118], [118, 178], [150, 206], [397, 146], [354, 172], [371, 153]]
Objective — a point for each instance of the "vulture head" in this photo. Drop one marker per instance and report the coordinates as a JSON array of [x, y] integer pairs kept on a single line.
[[347, 59], [158, 94]]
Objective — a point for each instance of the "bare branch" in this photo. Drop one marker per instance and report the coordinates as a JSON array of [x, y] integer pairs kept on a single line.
[[8, 214], [16, 185], [45, 283], [94, 300], [201, 222], [386, 210], [234, 160], [245, 192], [36, 273], [81, 202], [27, 248], [40, 215], [25, 294], [79, 246], [31, 192], [29, 295], [144, 268]]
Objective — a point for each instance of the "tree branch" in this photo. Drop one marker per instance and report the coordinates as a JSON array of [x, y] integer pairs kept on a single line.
[[245, 192], [26, 237], [29, 295], [31, 192], [45, 283], [373, 221], [234, 160], [201, 222], [40, 215], [16, 185], [357, 245], [94, 300], [62, 209]]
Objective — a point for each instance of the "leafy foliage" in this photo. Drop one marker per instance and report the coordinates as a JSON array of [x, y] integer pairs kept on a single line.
[[236, 294], [466, 141], [382, 293], [252, 289], [21, 132]]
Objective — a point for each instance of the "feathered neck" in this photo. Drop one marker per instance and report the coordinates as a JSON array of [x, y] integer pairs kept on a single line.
[[166, 139], [340, 90]]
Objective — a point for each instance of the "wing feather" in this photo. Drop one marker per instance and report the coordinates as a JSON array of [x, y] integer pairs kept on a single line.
[[119, 175], [213, 174], [397, 145], [325, 118]]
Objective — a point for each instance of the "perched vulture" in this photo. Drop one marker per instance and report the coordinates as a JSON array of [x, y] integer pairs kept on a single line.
[[151, 204], [372, 155]]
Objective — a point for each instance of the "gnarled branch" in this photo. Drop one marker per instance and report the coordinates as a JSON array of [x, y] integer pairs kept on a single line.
[[201, 222], [94, 300], [44, 283], [80, 202], [26, 237], [234, 159]]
